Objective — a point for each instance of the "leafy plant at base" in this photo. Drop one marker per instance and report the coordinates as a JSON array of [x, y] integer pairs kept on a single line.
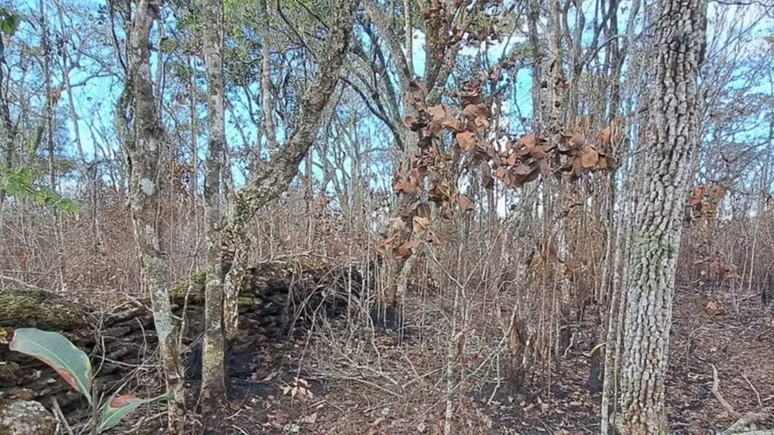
[[75, 368], [20, 183]]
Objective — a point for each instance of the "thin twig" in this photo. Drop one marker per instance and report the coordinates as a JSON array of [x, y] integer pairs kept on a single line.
[[60, 416], [758, 337], [26, 285], [757, 394], [716, 392]]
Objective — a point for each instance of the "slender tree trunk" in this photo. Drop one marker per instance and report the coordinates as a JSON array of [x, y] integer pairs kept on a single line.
[[214, 388], [193, 123], [270, 182], [672, 141], [267, 107], [143, 154], [50, 145]]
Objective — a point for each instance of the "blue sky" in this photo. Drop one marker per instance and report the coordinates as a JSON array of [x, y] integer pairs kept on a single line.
[[95, 100]]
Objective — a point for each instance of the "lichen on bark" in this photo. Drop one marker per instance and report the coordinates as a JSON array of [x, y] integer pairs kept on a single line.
[[647, 286]]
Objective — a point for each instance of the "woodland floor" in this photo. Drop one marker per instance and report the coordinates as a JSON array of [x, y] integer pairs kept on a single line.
[[736, 337]]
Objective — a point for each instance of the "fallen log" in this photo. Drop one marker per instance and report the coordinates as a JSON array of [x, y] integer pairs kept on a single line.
[[275, 298]]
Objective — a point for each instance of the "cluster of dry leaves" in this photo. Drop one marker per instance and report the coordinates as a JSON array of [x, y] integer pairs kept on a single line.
[[438, 165], [704, 202]]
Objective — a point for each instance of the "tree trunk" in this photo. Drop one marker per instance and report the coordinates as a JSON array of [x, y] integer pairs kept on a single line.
[[143, 154], [672, 140], [213, 388], [267, 184]]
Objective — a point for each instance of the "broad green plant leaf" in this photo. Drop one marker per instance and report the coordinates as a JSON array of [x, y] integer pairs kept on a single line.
[[58, 352], [9, 22], [66, 206], [120, 406]]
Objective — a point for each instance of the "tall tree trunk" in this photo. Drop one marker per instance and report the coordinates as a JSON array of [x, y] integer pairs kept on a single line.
[[673, 137], [51, 129], [144, 180], [267, 107], [267, 184], [213, 388]]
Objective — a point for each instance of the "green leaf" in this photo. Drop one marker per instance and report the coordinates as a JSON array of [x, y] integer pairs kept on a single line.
[[9, 22], [66, 206], [120, 406], [167, 45], [58, 352], [40, 198], [20, 183]]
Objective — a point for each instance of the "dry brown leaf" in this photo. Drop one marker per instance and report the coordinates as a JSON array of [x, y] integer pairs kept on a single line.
[[528, 141], [577, 165], [576, 141], [696, 196], [397, 225], [407, 248], [605, 135], [418, 90], [512, 159], [609, 162], [507, 177], [472, 111], [478, 115], [466, 204], [405, 187], [437, 112], [715, 308], [523, 169], [453, 123], [420, 225], [447, 210], [440, 193], [589, 157], [467, 140], [481, 124], [538, 152], [54, 96]]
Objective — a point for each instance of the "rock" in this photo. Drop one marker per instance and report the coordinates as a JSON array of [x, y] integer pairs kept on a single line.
[[24, 418]]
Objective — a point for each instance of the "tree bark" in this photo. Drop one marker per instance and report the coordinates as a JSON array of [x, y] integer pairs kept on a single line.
[[143, 153], [213, 387], [673, 138]]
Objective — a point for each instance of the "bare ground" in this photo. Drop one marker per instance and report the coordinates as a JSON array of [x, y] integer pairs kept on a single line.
[[398, 391]]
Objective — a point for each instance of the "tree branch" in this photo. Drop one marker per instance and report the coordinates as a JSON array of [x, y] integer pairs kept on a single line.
[[270, 183]]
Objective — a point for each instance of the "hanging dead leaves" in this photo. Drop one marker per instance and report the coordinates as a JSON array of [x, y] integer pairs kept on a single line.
[[703, 202], [433, 171], [523, 160], [532, 156]]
